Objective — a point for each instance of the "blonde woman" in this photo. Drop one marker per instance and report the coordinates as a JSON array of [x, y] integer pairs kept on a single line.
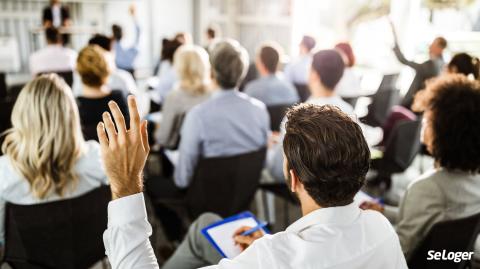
[[94, 70], [193, 68], [46, 157]]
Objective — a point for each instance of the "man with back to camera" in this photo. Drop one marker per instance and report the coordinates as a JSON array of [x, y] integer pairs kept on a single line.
[[326, 160], [271, 88], [297, 70]]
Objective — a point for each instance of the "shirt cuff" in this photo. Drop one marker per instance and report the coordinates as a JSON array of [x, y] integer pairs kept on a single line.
[[126, 210]]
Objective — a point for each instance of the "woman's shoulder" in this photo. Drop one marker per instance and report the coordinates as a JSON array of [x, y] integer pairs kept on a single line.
[[90, 154]]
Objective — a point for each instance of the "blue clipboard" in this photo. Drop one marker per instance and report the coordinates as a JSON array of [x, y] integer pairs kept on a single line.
[[239, 216]]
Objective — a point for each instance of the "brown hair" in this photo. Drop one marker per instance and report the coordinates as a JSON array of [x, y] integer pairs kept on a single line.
[[92, 66], [327, 151], [269, 55]]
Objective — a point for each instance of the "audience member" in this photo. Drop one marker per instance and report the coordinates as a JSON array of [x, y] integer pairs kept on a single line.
[[57, 15], [227, 124], [463, 63], [326, 71], [450, 133], [184, 38], [193, 69], [94, 70], [125, 56], [326, 162], [54, 57], [297, 70], [270, 88], [46, 158], [423, 71], [349, 85], [119, 79], [212, 34], [166, 74]]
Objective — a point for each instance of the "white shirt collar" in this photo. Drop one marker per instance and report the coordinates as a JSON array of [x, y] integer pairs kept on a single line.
[[339, 215]]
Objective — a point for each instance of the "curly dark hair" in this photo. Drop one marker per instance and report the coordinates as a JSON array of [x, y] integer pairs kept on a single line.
[[454, 104], [327, 151]]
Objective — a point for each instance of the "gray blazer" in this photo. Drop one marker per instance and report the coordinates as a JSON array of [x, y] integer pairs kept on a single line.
[[436, 196]]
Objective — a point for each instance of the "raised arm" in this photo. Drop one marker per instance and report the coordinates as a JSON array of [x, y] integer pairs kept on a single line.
[[398, 53], [124, 153]]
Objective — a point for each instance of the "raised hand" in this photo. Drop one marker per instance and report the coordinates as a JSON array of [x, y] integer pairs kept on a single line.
[[124, 152]]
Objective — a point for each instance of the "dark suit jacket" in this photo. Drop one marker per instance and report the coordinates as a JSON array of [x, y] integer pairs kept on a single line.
[[48, 14], [423, 71]]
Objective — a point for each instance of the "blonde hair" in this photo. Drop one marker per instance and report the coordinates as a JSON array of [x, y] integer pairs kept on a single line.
[[193, 68], [45, 141], [93, 66]]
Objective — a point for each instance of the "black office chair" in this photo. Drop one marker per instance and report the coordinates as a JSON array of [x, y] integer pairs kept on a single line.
[[66, 75], [400, 151], [379, 109], [175, 133], [452, 236], [277, 113], [303, 91], [63, 234], [388, 82], [225, 185]]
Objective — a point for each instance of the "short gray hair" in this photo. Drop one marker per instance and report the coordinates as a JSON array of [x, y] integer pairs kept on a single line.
[[229, 62]]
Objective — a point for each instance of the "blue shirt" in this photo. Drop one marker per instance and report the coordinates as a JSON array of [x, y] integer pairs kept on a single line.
[[124, 57], [229, 123], [297, 71], [272, 90]]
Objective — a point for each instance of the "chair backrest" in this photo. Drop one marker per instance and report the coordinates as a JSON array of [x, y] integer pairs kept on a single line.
[[62, 234], [303, 91], [388, 82], [66, 75], [277, 113], [379, 109], [225, 185], [450, 236], [402, 145], [175, 133]]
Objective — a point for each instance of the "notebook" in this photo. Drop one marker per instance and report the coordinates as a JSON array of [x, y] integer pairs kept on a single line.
[[220, 234]]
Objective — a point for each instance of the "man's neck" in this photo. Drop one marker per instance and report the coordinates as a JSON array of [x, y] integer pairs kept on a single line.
[[266, 74], [308, 205], [95, 92], [322, 92]]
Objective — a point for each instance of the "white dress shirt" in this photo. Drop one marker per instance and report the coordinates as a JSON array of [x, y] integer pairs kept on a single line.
[[14, 188], [336, 237], [52, 58]]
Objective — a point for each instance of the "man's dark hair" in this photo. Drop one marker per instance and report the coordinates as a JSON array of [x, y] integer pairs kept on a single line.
[[117, 32], [269, 56], [329, 66], [169, 47], [101, 40], [442, 42], [326, 149], [454, 104], [213, 31], [52, 35], [308, 42]]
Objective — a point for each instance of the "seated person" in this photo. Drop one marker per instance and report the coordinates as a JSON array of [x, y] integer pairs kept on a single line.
[[326, 162], [450, 133], [119, 79], [270, 88], [94, 70], [349, 85], [46, 158], [463, 63], [297, 70], [54, 57], [227, 124], [193, 68], [326, 71]]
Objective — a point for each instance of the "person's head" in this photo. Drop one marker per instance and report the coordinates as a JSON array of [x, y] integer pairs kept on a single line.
[[183, 38], [213, 32], [117, 32], [326, 155], [451, 105], [45, 141], [103, 41], [326, 71], [462, 63], [54, 2], [346, 52], [268, 58], [307, 44], [169, 47], [193, 68], [437, 46], [52, 35], [229, 62], [93, 66]]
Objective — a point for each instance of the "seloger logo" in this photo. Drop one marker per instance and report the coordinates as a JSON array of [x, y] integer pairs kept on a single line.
[[449, 256]]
